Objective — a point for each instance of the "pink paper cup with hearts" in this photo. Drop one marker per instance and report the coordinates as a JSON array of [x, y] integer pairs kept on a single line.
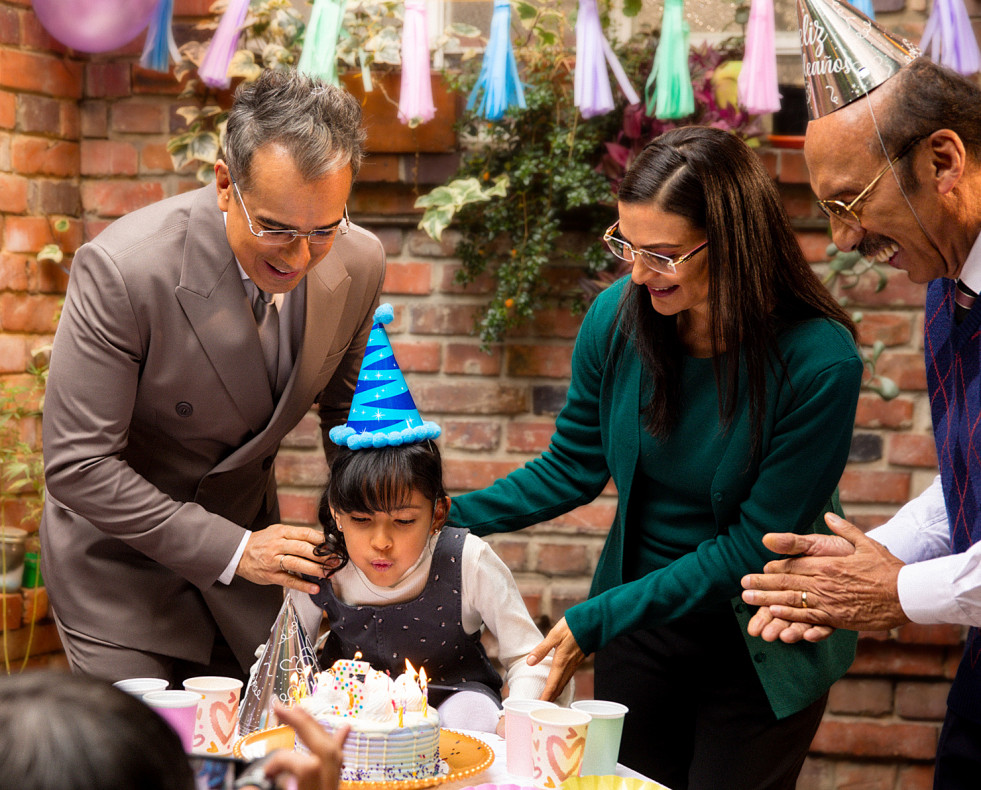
[[558, 743], [216, 720]]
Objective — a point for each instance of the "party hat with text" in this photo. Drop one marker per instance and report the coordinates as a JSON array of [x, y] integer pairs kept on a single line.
[[846, 54], [383, 413]]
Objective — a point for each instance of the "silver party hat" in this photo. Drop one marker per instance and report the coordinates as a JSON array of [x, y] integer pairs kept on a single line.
[[845, 54], [285, 672]]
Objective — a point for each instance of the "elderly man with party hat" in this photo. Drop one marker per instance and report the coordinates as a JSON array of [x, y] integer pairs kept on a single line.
[[894, 154]]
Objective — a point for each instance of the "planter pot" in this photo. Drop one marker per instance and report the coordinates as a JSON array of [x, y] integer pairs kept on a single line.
[[13, 547], [386, 133]]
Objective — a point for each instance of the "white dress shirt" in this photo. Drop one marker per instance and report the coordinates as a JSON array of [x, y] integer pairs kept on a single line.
[[936, 586]]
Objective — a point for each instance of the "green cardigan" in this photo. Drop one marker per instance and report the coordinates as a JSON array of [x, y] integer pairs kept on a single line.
[[806, 437]]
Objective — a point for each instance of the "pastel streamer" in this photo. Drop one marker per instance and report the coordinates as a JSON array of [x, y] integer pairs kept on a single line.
[[669, 92], [160, 46], [319, 55], [757, 82], [498, 85], [865, 6], [416, 96], [214, 67], [593, 95], [950, 38]]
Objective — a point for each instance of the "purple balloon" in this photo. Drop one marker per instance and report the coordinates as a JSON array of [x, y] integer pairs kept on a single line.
[[94, 25]]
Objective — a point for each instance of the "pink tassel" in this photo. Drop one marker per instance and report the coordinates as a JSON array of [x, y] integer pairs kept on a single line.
[[416, 98], [757, 83], [214, 68]]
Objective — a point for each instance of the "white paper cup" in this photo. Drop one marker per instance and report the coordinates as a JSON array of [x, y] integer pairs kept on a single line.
[[517, 733], [140, 686], [558, 743], [603, 738], [216, 721], [179, 709]]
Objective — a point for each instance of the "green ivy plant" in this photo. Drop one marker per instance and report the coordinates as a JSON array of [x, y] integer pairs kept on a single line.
[[529, 179], [847, 268]]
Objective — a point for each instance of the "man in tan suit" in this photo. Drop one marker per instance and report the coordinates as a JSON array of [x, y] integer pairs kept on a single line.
[[161, 543]]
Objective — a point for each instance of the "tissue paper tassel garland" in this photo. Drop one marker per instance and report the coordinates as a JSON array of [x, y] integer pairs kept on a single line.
[[669, 91], [160, 46], [498, 85], [416, 96], [757, 81], [319, 55], [214, 67], [949, 38], [593, 95]]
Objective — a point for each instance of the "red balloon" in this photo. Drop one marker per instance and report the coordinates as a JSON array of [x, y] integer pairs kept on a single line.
[[94, 25]]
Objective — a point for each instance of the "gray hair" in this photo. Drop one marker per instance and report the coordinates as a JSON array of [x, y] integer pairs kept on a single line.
[[318, 124]]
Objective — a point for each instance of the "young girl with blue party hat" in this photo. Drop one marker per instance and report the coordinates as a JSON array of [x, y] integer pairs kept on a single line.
[[398, 585]]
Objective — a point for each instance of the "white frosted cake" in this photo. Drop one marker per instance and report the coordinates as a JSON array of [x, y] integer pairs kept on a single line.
[[394, 733]]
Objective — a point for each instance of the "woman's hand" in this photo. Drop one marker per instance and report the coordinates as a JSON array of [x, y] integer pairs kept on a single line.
[[320, 769], [566, 661]]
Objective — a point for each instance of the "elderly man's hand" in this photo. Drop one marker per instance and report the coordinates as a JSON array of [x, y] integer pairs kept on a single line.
[[276, 554], [844, 581]]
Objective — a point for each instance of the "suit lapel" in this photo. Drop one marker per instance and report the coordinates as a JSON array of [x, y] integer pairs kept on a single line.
[[213, 299]]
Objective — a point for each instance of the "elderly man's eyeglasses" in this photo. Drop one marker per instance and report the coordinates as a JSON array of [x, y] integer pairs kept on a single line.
[[280, 237], [846, 211], [652, 260]]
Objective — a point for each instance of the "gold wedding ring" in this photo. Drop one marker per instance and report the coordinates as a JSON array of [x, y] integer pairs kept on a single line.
[[803, 599]]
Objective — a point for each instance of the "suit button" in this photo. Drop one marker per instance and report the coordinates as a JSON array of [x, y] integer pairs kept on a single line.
[[184, 409], [759, 658], [267, 462], [717, 497], [740, 608]]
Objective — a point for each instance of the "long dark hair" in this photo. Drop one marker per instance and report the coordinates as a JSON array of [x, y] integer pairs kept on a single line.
[[759, 280], [371, 480]]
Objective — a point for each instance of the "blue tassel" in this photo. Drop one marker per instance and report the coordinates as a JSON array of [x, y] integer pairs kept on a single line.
[[865, 6], [498, 79], [160, 46]]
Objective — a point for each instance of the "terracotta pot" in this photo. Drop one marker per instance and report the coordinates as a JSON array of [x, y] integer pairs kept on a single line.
[[386, 133]]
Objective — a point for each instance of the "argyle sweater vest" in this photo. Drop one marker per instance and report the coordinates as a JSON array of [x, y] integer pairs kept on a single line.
[[953, 367]]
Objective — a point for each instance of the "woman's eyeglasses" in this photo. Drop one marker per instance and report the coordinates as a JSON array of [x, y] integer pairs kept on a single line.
[[281, 237], [652, 260]]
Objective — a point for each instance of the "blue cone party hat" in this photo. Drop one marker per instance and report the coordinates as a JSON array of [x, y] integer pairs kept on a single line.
[[383, 413]]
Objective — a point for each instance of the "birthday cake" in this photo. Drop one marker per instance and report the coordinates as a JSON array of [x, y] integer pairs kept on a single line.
[[394, 733]]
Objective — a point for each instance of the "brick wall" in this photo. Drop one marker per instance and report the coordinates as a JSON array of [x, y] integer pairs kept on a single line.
[[82, 138]]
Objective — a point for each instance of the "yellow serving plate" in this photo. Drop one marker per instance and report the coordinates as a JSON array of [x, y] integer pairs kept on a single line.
[[464, 755]]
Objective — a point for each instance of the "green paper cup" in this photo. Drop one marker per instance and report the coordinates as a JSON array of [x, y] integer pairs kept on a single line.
[[603, 737]]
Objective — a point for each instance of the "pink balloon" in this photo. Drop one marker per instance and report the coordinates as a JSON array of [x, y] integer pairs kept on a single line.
[[94, 25]]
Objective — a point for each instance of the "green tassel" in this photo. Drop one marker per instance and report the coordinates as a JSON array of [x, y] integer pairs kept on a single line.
[[672, 96], [319, 55]]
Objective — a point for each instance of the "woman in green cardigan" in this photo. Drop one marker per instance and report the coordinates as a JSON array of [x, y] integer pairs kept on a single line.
[[717, 387]]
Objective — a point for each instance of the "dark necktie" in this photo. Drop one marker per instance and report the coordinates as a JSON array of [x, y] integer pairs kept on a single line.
[[963, 300], [267, 322]]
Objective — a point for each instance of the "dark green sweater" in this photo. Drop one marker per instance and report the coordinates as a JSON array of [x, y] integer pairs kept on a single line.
[[807, 430]]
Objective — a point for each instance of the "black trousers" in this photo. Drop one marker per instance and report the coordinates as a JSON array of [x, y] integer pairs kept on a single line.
[[958, 764], [699, 718]]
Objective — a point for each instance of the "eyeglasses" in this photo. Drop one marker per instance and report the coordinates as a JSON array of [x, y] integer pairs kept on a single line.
[[652, 260], [282, 237], [846, 211]]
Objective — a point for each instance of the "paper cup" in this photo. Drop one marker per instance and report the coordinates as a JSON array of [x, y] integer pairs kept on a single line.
[[179, 709], [558, 742], [216, 721], [140, 686], [603, 738], [517, 733]]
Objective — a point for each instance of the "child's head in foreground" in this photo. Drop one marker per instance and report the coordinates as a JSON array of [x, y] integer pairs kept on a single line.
[[380, 508]]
